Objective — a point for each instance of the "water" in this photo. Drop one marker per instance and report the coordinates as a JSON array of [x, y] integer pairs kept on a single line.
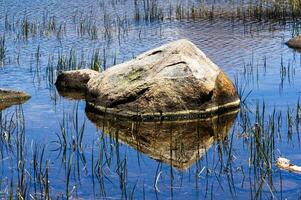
[[216, 165]]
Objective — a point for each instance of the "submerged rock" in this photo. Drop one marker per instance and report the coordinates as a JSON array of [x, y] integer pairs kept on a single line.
[[176, 80], [294, 42], [10, 97], [178, 143], [75, 80]]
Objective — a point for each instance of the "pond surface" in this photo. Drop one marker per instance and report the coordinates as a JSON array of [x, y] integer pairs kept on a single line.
[[50, 147]]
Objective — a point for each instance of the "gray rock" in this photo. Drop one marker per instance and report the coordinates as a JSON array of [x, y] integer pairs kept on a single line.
[[174, 80], [75, 80], [10, 97]]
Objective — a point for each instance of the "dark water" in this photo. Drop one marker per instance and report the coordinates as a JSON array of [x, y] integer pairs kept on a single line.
[[200, 160]]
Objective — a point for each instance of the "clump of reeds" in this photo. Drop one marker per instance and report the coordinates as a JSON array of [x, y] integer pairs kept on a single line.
[[27, 28], [265, 10], [96, 62], [295, 7], [90, 29], [150, 11], [67, 62]]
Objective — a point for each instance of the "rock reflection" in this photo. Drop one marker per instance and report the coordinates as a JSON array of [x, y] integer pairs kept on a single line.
[[178, 143], [72, 95]]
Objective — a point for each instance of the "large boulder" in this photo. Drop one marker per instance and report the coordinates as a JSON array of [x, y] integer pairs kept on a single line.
[[174, 80], [10, 97]]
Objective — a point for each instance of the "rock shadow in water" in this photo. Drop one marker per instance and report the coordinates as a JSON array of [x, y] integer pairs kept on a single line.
[[177, 143]]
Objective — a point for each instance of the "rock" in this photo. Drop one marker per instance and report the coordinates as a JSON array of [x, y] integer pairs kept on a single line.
[[286, 164], [177, 143], [174, 80], [9, 98], [75, 80], [294, 42]]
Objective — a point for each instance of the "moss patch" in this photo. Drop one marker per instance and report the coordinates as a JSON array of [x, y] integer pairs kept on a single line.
[[134, 74]]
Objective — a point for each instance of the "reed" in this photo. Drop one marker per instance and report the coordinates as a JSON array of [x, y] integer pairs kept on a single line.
[[96, 62], [2, 49]]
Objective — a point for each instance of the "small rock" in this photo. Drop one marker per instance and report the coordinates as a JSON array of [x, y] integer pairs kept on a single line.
[[294, 42], [10, 97], [75, 80], [285, 164]]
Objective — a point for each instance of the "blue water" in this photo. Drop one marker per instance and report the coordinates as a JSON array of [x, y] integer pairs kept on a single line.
[[234, 47]]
